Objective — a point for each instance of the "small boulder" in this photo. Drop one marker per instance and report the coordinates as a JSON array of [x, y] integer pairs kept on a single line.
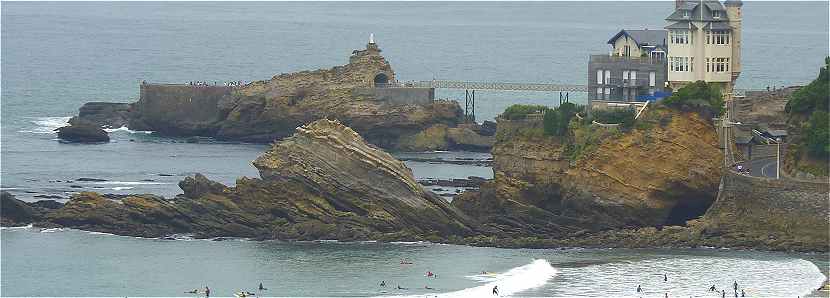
[[82, 131], [14, 212]]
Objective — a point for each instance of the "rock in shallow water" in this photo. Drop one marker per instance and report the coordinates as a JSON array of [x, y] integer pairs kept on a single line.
[[81, 131]]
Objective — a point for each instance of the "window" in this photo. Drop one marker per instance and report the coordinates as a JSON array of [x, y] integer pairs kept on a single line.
[[627, 51], [716, 14], [625, 75], [633, 75], [651, 79], [718, 64], [718, 37], [680, 36], [599, 76], [685, 14], [684, 64], [599, 93], [607, 77]]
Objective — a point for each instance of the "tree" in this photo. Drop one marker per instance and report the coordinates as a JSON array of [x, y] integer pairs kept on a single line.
[[699, 97]]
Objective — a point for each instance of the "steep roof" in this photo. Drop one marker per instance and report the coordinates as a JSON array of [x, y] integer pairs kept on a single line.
[[642, 37], [698, 12]]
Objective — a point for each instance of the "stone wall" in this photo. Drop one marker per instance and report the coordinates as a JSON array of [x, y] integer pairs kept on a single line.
[[162, 107], [398, 96], [762, 212]]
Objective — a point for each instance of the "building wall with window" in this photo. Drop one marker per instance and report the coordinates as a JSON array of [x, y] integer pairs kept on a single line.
[[704, 43], [614, 78], [627, 47]]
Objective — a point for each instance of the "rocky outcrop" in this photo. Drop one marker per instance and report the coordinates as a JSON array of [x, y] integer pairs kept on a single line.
[[269, 110], [325, 182], [82, 131], [467, 136], [15, 212], [597, 179]]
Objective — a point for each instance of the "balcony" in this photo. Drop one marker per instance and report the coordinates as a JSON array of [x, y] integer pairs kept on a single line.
[[620, 82], [624, 59]]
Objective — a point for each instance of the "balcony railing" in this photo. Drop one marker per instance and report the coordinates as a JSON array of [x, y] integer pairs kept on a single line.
[[615, 59], [620, 82]]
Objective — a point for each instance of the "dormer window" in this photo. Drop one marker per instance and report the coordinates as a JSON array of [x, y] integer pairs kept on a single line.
[[685, 14], [716, 14]]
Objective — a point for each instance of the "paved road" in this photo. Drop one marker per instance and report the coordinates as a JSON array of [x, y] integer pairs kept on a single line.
[[763, 167]]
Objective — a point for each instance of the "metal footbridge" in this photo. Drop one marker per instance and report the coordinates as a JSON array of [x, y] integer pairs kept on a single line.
[[502, 86]]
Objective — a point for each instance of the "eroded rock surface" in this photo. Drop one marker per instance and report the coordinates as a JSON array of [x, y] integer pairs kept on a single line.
[[325, 182]]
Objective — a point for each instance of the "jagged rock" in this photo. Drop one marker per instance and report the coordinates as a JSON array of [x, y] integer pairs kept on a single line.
[[325, 182], [269, 110], [83, 131], [106, 114], [199, 185], [14, 212]]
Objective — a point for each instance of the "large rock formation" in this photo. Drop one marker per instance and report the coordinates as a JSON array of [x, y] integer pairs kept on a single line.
[[82, 131], [325, 182], [665, 172], [263, 111]]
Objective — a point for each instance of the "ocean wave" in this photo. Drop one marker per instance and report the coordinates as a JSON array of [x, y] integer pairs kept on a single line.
[[122, 188], [52, 230], [46, 125], [514, 281], [124, 128], [29, 226], [128, 183]]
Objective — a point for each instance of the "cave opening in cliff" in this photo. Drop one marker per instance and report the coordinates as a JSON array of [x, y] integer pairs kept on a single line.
[[687, 210], [381, 79]]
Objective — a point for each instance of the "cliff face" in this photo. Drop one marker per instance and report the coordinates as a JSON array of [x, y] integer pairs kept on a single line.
[[325, 182], [665, 172], [267, 110]]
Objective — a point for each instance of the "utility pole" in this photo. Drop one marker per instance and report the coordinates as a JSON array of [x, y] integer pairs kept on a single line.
[[778, 158]]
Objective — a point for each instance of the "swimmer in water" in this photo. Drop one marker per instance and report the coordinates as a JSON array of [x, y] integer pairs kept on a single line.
[[639, 289]]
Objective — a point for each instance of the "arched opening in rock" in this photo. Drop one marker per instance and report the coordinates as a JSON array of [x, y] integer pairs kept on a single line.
[[381, 79], [691, 203]]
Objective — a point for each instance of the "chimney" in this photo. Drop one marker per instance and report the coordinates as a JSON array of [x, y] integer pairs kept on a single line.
[[678, 3]]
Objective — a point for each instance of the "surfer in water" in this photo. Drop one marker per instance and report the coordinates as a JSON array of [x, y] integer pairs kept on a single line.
[[207, 292], [383, 283], [192, 292], [639, 289], [261, 288], [496, 290], [712, 288], [428, 288], [665, 277]]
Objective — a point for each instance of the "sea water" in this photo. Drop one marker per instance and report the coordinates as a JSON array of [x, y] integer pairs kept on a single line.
[[57, 56]]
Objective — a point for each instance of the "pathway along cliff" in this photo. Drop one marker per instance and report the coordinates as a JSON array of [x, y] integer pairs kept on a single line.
[[326, 182], [264, 111]]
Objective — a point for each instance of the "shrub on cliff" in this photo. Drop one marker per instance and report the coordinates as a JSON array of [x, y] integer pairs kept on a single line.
[[556, 120], [813, 97], [519, 111], [700, 97], [624, 117]]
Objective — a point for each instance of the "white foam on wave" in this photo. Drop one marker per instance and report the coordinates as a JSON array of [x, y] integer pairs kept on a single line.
[[129, 183], [46, 125], [51, 230], [514, 281], [124, 128], [29, 226], [692, 276], [122, 188]]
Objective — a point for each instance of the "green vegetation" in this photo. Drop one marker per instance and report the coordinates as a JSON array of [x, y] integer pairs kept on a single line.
[[705, 99], [813, 97], [625, 117], [556, 120], [810, 105], [519, 111]]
